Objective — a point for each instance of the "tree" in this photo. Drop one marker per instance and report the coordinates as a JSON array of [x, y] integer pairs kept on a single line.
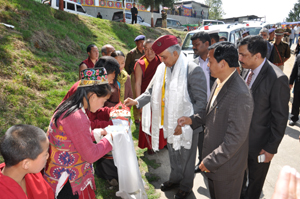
[[294, 14], [215, 9], [155, 4]]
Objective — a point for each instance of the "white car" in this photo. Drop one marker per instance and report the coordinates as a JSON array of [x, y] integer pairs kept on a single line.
[[69, 6], [233, 33], [118, 16]]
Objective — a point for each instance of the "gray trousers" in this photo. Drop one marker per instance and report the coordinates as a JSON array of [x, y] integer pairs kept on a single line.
[[182, 164]]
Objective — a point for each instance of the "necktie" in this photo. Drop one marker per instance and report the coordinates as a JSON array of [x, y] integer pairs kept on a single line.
[[250, 77]]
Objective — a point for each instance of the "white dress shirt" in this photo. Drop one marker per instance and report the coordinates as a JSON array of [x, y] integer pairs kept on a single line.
[[255, 73], [206, 70]]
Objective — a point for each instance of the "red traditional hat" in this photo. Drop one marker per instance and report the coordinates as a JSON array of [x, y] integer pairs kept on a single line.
[[164, 42]]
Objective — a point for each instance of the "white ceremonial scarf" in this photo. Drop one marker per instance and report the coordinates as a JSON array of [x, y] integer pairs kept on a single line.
[[131, 184], [177, 104]]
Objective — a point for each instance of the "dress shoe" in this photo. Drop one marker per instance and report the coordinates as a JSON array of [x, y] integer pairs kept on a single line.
[[182, 194], [197, 169], [292, 123], [150, 152], [168, 186]]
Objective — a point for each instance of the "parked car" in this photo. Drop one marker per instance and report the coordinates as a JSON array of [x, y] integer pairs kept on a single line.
[[171, 24], [118, 16], [69, 6], [211, 22], [233, 33]]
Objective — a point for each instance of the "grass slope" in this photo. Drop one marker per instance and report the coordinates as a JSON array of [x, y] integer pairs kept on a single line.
[[39, 62]]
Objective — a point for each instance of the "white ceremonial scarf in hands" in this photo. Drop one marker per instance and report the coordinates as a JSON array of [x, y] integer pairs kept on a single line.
[[177, 104], [131, 185]]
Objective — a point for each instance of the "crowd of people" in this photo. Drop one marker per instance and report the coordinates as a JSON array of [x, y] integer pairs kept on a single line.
[[230, 102]]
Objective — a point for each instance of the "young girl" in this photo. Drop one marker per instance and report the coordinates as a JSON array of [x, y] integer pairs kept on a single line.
[[123, 79], [71, 140]]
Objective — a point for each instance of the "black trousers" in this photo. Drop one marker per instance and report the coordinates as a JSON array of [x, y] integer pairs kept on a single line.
[[134, 19], [296, 102], [256, 174], [227, 189], [200, 145], [106, 169]]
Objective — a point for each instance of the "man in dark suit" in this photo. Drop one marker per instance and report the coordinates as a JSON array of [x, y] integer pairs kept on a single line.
[[134, 13], [226, 134], [271, 94], [295, 79], [201, 42]]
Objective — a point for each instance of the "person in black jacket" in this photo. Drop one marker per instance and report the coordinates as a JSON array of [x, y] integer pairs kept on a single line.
[[295, 80], [134, 13]]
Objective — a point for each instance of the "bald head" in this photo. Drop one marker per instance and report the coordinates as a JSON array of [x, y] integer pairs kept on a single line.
[[107, 49]]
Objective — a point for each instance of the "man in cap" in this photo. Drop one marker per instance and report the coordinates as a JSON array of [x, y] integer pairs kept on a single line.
[[131, 58], [281, 49], [245, 33], [225, 146], [107, 49], [177, 89], [264, 33], [271, 94], [271, 34]]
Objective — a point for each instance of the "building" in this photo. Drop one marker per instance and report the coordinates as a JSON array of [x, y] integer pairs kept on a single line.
[[242, 18], [192, 9]]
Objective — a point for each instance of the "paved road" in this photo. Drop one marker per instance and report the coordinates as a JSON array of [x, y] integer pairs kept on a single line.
[[287, 155]]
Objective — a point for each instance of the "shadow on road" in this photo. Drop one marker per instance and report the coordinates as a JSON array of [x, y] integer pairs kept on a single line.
[[293, 132]]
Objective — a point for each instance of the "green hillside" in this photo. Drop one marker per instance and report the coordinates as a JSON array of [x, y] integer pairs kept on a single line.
[[39, 61], [39, 58]]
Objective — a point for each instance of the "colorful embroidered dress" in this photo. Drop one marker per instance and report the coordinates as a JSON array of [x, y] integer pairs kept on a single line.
[[72, 150]]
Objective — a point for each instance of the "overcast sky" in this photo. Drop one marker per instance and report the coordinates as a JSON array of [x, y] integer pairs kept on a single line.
[[274, 10]]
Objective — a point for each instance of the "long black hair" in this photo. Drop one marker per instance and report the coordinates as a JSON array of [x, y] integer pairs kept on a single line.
[[73, 103], [110, 64]]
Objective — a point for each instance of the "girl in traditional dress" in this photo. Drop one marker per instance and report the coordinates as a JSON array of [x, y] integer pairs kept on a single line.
[[72, 148]]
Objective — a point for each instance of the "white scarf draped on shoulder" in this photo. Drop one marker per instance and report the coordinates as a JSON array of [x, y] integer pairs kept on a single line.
[[177, 104]]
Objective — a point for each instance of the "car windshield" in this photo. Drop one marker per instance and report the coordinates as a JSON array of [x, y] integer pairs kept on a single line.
[[187, 44], [254, 30], [158, 23], [210, 23]]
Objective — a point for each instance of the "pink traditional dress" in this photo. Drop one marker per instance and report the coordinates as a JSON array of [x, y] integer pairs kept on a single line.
[[72, 150]]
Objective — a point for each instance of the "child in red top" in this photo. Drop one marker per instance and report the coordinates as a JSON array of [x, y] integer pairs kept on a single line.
[[25, 152]]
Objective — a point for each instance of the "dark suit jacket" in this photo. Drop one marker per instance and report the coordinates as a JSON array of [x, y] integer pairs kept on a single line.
[[225, 146], [212, 79], [295, 75], [271, 95]]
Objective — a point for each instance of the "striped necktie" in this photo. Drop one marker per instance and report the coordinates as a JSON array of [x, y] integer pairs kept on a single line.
[[250, 77]]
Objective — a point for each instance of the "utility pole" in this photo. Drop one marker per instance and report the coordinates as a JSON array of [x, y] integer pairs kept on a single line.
[[61, 4]]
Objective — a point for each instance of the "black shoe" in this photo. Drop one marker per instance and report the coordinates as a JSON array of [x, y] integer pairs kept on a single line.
[[182, 194], [292, 123], [168, 186], [197, 169]]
